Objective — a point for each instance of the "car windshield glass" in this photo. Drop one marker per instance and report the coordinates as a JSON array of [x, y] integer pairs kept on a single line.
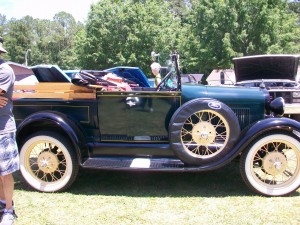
[[170, 80]]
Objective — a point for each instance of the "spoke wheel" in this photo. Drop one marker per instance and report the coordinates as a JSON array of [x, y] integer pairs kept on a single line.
[[48, 162], [205, 133], [271, 166]]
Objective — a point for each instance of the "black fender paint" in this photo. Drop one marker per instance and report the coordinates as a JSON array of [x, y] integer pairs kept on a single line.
[[269, 125], [69, 127]]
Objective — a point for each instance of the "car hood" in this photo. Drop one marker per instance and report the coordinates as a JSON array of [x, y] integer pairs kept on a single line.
[[266, 67]]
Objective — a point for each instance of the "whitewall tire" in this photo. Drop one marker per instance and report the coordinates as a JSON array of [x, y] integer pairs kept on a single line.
[[48, 162], [271, 165]]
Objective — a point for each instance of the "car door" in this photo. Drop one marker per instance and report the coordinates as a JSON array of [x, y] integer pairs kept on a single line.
[[136, 116]]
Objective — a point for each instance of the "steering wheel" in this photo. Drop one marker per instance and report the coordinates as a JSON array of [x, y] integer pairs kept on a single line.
[[161, 84], [90, 77]]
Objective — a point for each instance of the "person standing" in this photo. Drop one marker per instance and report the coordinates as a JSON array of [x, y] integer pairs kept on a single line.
[[155, 68], [9, 155]]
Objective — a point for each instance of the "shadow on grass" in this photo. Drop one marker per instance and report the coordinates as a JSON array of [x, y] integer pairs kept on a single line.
[[223, 182]]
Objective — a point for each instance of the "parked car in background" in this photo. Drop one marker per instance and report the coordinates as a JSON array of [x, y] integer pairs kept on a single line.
[[221, 77], [104, 121], [185, 78], [276, 73]]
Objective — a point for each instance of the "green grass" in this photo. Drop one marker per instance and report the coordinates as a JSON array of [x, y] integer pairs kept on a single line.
[[107, 197]]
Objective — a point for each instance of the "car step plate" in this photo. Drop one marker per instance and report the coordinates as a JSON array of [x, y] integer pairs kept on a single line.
[[133, 163]]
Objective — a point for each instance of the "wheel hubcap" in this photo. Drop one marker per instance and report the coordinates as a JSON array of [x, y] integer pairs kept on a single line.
[[203, 133], [48, 162], [275, 163]]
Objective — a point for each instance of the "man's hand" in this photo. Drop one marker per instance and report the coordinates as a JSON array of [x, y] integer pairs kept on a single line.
[[3, 101]]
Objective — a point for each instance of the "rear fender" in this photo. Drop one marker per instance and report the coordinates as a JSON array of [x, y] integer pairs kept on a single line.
[[58, 122]]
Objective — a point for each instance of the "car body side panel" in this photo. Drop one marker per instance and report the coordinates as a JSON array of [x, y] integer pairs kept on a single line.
[[247, 103], [163, 151], [136, 116], [59, 122], [133, 150], [83, 112]]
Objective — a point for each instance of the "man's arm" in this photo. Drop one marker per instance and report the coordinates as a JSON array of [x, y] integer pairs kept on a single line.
[[3, 100]]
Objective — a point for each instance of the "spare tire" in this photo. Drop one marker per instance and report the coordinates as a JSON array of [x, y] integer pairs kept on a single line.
[[202, 131]]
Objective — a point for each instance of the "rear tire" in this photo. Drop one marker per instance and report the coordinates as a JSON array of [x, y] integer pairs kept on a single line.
[[48, 162]]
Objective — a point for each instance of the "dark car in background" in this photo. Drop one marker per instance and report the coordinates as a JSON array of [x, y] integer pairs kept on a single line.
[[276, 73]]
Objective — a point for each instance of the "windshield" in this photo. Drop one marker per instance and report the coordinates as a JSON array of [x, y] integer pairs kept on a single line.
[[172, 80]]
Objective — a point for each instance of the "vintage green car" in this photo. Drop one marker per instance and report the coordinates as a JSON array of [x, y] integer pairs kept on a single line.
[[103, 121]]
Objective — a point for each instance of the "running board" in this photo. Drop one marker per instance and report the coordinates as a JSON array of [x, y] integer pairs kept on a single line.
[[165, 164]]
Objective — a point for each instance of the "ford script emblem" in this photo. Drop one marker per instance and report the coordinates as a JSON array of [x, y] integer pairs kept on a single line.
[[214, 105]]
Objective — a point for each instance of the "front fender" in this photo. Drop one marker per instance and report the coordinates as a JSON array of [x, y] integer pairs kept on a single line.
[[251, 133], [57, 121], [267, 125]]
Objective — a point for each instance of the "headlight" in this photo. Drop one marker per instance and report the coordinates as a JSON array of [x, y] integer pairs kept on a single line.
[[277, 106]]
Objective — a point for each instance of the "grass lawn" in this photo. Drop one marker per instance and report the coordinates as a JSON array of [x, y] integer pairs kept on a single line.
[[106, 197]]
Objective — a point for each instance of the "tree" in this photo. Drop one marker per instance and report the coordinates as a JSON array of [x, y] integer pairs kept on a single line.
[[223, 29], [3, 30], [207, 34], [63, 41], [2, 24], [294, 6], [179, 7], [125, 34], [41, 49], [45, 41], [19, 38]]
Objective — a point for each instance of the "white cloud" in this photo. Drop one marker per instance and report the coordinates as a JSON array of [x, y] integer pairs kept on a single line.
[[45, 9]]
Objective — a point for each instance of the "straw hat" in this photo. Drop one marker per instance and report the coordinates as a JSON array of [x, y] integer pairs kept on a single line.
[[2, 50]]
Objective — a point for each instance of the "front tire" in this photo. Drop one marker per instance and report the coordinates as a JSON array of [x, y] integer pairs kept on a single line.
[[48, 162], [271, 166]]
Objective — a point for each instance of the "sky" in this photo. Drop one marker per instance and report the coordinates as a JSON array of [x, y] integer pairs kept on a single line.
[[45, 9]]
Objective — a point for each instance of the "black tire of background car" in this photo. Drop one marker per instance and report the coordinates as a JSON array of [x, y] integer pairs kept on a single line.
[[253, 158], [66, 154], [188, 109]]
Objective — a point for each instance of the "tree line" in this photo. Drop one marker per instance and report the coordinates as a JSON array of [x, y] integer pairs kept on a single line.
[[207, 34]]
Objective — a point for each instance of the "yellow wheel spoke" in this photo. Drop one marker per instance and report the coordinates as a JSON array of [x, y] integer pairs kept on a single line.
[[47, 162], [185, 132], [276, 162], [205, 133]]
